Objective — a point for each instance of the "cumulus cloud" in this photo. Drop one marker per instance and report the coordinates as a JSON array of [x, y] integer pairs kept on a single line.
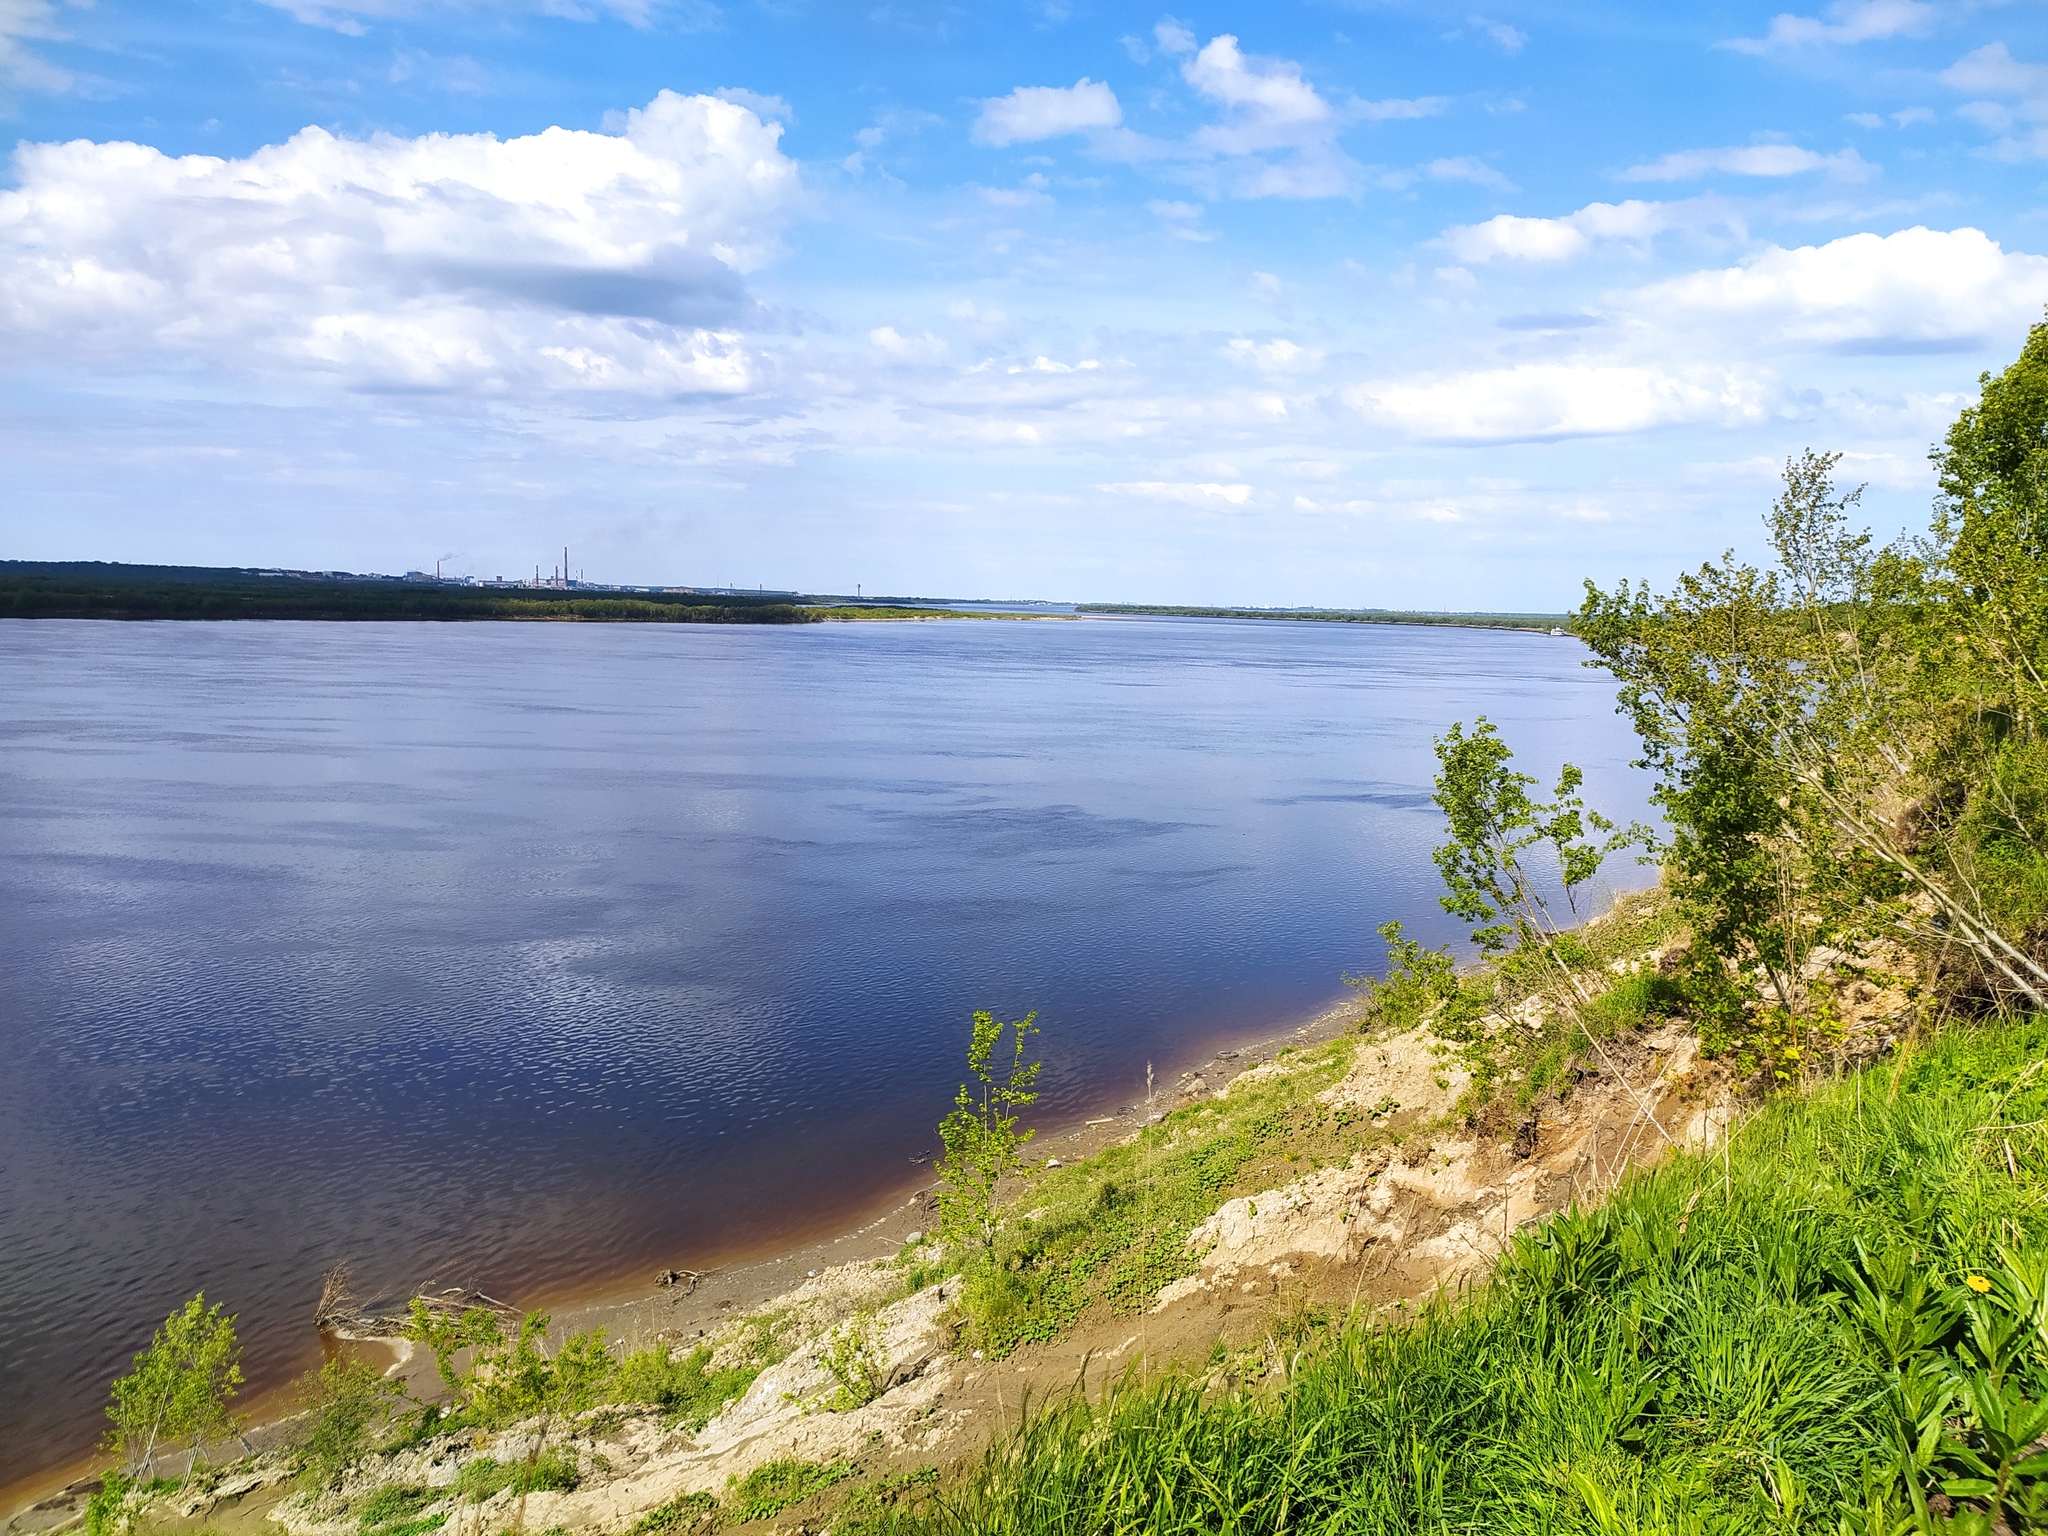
[[1510, 237], [1847, 21], [1554, 400], [1751, 160], [1917, 290], [1276, 125], [1035, 112], [564, 259]]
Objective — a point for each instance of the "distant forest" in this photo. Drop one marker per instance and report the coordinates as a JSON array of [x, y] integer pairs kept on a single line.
[[1542, 621], [34, 589]]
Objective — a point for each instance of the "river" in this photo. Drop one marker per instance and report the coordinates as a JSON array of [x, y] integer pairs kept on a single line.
[[529, 955]]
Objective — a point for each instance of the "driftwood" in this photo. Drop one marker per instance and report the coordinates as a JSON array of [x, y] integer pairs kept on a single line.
[[686, 1278], [341, 1312]]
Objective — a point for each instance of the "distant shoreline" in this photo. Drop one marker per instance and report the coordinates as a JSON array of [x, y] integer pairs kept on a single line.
[[80, 589], [1527, 623]]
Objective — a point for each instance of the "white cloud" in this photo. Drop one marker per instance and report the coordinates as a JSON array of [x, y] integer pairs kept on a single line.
[[347, 16], [1919, 289], [1398, 109], [1556, 400], [1173, 38], [1751, 160], [564, 259], [21, 69], [1994, 71], [1509, 237], [1276, 356], [1277, 126], [1848, 21], [1504, 37], [1207, 493], [1034, 112], [1468, 168]]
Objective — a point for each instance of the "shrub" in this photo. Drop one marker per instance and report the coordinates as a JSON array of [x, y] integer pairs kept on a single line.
[[345, 1400], [688, 1388]]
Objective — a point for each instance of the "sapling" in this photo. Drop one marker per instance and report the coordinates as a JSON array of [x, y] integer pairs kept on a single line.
[[179, 1389], [983, 1144], [1495, 825]]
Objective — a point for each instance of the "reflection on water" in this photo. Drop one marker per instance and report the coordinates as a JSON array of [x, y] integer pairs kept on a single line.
[[520, 953]]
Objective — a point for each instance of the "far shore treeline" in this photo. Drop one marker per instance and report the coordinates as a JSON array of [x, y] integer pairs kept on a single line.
[[32, 589]]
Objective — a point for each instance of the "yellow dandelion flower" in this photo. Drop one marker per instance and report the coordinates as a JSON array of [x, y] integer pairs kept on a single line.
[[1977, 1283]]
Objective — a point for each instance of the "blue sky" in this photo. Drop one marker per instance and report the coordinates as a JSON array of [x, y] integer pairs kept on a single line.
[[1339, 303]]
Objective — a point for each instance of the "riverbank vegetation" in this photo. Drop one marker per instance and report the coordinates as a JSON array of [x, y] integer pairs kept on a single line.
[[1838, 1322]]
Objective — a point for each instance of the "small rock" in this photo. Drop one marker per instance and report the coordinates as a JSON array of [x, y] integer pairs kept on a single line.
[[1052, 1162], [915, 1237]]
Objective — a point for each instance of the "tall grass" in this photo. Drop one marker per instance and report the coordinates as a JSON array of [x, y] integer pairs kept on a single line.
[[1763, 1339]]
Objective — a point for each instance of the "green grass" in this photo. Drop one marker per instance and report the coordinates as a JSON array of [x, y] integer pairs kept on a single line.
[[394, 1510], [685, 1512], [689, 1389], [1768, 1339], [552, 1471], [773, 1486]]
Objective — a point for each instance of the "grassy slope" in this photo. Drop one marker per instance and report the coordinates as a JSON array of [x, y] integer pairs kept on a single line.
[[1109, 1232], [1691, 1356]]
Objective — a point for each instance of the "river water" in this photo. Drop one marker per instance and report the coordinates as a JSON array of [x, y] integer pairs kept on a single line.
[[522, 955]]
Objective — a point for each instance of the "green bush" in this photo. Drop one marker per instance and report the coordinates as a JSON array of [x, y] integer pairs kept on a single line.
[[106, 1512], [345, 1401], [688, 1388]]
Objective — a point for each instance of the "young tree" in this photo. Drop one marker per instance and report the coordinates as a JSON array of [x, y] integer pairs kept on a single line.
[[447, 1334], [178, 1392], [1495, 826], [345, 1401], [981, 1139]]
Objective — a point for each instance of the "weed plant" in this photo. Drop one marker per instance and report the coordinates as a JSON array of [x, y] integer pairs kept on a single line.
[[773, 1486], [552, 1471], [1838, 1322]]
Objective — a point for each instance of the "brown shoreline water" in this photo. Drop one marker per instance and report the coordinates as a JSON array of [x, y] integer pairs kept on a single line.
[[742, 1278]]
